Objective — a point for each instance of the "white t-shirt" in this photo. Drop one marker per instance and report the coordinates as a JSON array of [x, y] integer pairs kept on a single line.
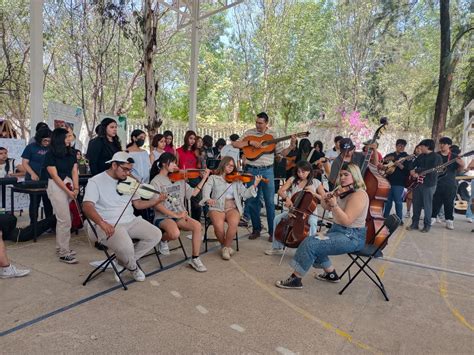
[[101, 190], [3, 170]]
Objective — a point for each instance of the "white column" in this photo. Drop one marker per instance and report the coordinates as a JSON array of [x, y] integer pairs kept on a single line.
[[36, 63], [193, 71]]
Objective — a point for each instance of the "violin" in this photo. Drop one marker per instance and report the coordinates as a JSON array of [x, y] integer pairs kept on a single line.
[[130, 186], [185, 174], [243, 177], [341, 192], [76, 217]]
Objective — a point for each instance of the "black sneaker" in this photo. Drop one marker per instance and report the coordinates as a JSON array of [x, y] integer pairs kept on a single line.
[[412, 228], [328, 276], [68, 259], [291, 282], [425, 230]]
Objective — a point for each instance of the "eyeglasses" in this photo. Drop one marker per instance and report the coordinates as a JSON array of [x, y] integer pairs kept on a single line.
[[126, 170]]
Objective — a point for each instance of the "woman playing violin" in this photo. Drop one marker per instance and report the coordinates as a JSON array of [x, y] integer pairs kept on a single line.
[[171, 215], [303, 178], [224, 200], [346, 235]]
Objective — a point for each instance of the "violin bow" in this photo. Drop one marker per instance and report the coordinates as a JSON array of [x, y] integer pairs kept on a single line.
[[128, 202]]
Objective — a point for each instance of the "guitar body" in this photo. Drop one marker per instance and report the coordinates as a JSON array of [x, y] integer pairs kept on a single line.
[[252, 153]]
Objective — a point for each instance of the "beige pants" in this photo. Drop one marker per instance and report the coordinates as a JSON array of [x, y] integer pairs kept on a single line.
[[60, 201], [121, 241]]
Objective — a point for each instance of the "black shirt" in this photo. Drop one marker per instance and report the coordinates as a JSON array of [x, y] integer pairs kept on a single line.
[[449, 177], [63, 165], [425, 162], [399, 176], [99, 151]]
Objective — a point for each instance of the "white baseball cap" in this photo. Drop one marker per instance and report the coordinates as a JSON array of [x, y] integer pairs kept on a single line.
[[121, 157]]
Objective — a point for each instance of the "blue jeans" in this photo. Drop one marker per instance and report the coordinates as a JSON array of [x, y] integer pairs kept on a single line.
[[314, 252], [395, 195], [252, 205], [313, 227], [469, 213]]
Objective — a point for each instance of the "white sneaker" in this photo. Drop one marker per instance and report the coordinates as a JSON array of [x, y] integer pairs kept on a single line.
[[164, 248], [71, 252], [11, 271], [433, 221], [407, 215], [439, 220], [470, 220], [449, 224], [138, 275], [274, 252], [225, 253], [197, 265]]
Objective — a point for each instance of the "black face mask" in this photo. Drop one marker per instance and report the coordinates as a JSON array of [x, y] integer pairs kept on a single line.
[[139, 142]]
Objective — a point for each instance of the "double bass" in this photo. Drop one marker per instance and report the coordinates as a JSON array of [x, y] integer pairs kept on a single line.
[[378, 189], [292, 230]]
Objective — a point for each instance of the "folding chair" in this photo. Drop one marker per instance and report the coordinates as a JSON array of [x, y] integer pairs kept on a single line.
[[108, 261], [363, 257], [150, 216], [208, 223]]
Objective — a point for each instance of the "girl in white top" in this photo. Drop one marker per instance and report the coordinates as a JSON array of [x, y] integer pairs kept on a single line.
[[304, 176], [158, 147], [141, 168], [223, 199], [171, 215]]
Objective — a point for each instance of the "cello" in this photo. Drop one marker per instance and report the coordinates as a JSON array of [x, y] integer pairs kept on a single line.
[[292, 230], [378, 189]]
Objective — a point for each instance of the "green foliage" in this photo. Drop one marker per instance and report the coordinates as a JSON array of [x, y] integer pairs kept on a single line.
[[299, 60]]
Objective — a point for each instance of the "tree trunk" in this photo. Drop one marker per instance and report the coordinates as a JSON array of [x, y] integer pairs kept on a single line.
[[149, 43], [446, 69]]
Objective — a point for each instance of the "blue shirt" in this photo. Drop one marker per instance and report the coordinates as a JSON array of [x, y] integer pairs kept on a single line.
[[35, 153]]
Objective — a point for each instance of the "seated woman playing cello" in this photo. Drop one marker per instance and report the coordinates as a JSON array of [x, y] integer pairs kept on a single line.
[[171, 215], [346, 235], [223, 196], [303, 178]]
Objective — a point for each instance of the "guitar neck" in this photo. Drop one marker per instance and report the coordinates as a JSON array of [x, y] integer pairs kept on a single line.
[[277, 140], [436, 168]]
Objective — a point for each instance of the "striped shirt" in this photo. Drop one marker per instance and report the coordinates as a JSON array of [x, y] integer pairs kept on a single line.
[[265, 159]]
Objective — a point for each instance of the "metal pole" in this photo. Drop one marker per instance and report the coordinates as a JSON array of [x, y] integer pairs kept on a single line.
[[193, 72], [36, 63]]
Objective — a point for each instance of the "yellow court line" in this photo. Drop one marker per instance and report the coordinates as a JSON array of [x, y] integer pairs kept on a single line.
[[443, 288], [384, 266], [326, 325]]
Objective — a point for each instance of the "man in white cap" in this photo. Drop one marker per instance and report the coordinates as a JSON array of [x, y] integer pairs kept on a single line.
[[115, 224]]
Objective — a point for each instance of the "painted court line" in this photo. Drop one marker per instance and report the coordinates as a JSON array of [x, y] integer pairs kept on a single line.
[[82, 301], [202, 309], [326, 325], [284, 351], [176, 294], [237, 328]]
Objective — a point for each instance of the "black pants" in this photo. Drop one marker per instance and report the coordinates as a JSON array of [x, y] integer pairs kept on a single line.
[[196, 209], [7, 225], [33, 209], [444, 196]]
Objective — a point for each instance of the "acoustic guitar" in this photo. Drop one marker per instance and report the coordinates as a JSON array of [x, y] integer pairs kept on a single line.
[[460, 206], [390, 167], [268, 144]]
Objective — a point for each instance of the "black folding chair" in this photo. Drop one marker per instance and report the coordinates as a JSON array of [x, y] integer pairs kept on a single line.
[[208, 223], [104, 265], [149, 215], [363, 257]]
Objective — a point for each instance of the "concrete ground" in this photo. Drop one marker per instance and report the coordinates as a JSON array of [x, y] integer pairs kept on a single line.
[[235, 307]]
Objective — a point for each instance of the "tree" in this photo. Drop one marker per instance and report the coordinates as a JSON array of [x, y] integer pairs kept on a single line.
[[449, 58]]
